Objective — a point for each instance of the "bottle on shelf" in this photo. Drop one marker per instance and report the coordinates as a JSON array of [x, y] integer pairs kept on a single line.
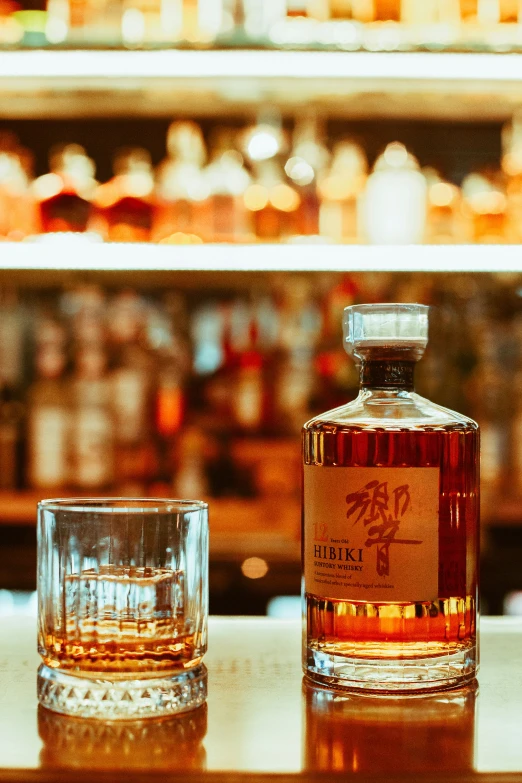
[[13, 339], [172, 359], [394, 203], [17, 206], [130, 392], [65, 195], [445, 220], [390, 522], [92, 429], [190, 480], [248, 407], [125, 204], [299, 333], [340, 188], [307, 161], [49, 411], [489, 394], [512, 169], [182, 191], [485, 208], [227, 219], [273, 203], [246, 369]]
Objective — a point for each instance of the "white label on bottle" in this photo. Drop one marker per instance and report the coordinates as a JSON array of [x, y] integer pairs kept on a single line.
[[130, 395], [49, 431], [371, 534], [491, 451], [249, 402], [93, 446]]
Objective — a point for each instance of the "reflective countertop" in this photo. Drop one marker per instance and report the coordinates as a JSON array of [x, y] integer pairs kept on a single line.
[[262, 719]]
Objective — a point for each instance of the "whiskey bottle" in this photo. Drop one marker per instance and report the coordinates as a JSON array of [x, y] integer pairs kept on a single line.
[[227, 220], [273, 203], [485, 209], [393, 210], [390, 522], [307, 161], [92, 431], [49, 413], [444, 224], [125, 204], [181, 191], [340, 190], [65, 194]]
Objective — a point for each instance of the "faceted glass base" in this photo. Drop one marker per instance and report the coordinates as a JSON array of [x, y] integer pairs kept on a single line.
[[121, 699], [392, 675]]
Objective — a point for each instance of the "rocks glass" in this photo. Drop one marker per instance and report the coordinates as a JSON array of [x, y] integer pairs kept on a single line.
[[122, 606]]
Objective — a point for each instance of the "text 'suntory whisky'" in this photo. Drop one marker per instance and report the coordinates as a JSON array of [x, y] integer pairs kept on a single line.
[[390, 522]]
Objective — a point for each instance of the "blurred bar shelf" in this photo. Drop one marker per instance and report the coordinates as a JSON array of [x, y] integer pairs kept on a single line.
[[101, 83], [73, 253], [265, 527], [267, 521]]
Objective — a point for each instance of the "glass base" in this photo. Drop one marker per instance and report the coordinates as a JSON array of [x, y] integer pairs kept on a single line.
[[392, 675], [108, 699]]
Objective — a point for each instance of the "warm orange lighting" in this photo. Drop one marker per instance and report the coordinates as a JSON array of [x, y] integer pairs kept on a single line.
[[254, 568], [169, 412], [491, 202], [284, 198], [442, 194], [47, 186], [180, 238], [339, 188], [256, 198]]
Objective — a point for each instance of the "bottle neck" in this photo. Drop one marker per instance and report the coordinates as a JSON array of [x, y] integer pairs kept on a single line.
[[392, 375]]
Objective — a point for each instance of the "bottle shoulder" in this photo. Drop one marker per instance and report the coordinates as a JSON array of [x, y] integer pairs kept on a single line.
[[406, 411]]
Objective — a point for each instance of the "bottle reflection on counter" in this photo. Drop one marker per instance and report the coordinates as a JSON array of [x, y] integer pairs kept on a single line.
[[169, 745], [346, 732]]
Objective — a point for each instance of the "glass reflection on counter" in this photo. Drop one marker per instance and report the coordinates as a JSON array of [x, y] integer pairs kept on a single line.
[[169, 745], [346, 732]]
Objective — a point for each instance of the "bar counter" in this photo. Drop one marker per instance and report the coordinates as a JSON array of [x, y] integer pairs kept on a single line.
[[261, 722]]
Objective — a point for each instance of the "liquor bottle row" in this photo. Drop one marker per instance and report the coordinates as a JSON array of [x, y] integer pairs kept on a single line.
[[261, 183], [172, 392], [350, 24]]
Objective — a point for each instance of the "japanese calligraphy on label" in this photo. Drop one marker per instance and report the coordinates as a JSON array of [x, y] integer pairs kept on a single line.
[[371, 534]]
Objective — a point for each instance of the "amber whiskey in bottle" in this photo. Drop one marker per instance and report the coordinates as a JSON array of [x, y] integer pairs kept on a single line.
[[390, 522]]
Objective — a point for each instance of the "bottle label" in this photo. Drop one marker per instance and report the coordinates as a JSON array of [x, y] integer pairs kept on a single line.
[[371, 534], [48, 438]]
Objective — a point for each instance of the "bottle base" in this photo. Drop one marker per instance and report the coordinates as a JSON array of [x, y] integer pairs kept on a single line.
[[391, 675], [129, 699]]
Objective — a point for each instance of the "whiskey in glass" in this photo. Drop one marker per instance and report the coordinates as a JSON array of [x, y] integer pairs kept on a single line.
[[123, 606]]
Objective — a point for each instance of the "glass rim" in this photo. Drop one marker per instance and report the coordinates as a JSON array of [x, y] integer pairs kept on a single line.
[[122, 505]]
